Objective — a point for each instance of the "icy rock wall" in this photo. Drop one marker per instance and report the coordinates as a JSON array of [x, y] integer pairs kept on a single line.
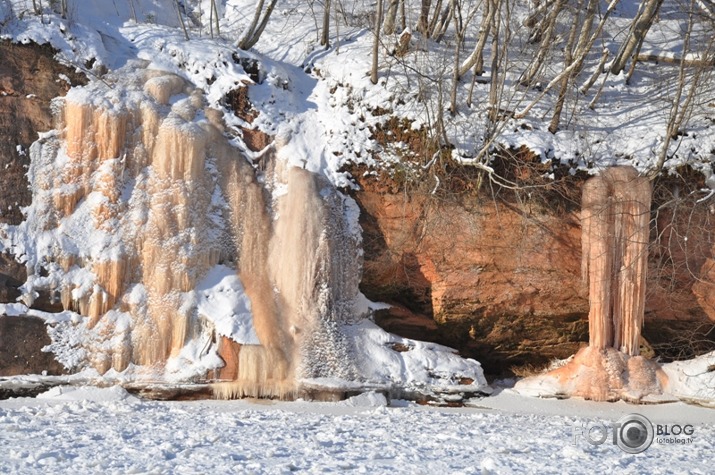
[[138, 194]]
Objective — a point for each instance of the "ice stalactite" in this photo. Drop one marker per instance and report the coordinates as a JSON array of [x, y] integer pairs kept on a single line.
[[127, 176], [615, 219], [615, 215], [300, 274], [139, 196]]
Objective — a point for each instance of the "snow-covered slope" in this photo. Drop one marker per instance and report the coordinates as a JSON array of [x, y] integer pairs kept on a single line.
[[323, 97]]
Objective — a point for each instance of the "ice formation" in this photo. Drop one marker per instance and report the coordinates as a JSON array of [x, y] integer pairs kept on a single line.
[[140, 196], [615, 218], [181, 259]]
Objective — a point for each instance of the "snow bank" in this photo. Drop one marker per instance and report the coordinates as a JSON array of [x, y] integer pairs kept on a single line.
[[282, 438], [382, 358], [222, 300], [368, 399], [87, 393], [12, 309], [689, 380], [693, 379]]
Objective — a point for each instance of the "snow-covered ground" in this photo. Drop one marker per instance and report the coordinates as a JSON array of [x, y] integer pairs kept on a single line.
[[89, 430]]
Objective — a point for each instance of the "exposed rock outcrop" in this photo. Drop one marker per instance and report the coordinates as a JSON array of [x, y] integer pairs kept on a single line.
[[500, 279], [21, 341], [29, 79]]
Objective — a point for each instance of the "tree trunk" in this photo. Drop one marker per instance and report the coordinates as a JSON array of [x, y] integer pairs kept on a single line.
[[214, 14], [403, 16], [376, 44], [441, 27], [433, 22], [181, 19], [388, 27], [131, 6], [476, 59], [597, 72], [582, 46], [324, 37], [494, 83], [596, 34], [678, 111], [455, 75], [568, 59], [252, 27], [639, 28], [423, 22], [254, 31], [547, 42]]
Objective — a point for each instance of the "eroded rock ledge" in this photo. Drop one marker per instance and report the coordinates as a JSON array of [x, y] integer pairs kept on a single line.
[[498, 276]]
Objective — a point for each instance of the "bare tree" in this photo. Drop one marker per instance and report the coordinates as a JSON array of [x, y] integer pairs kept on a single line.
[[181, 19], [390, 17], [458, 32], [639, 28], [494, 84], [254, 31], [403, 16], [576, 64], [213, 17], [575, 53], [423, 22], [134, 12], [376, 44], [547, 42], [680, 107], [476, 59], [568, 59], [325, 34], [440, 27]]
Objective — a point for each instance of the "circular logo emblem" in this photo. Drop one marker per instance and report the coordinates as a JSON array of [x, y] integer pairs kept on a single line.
[[635, 433]]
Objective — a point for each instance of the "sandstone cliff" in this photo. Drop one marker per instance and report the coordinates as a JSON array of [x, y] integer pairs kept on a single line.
[[498, 275]]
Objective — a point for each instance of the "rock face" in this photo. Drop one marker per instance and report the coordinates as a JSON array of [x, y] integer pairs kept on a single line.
[[499, 283], [704, 289], [498, 279], [21, 342], [29, 79], [501, 280]]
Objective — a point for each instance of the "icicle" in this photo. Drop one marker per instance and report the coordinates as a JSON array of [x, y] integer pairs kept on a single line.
[[615, 220], [615, 216], [145, 177]]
